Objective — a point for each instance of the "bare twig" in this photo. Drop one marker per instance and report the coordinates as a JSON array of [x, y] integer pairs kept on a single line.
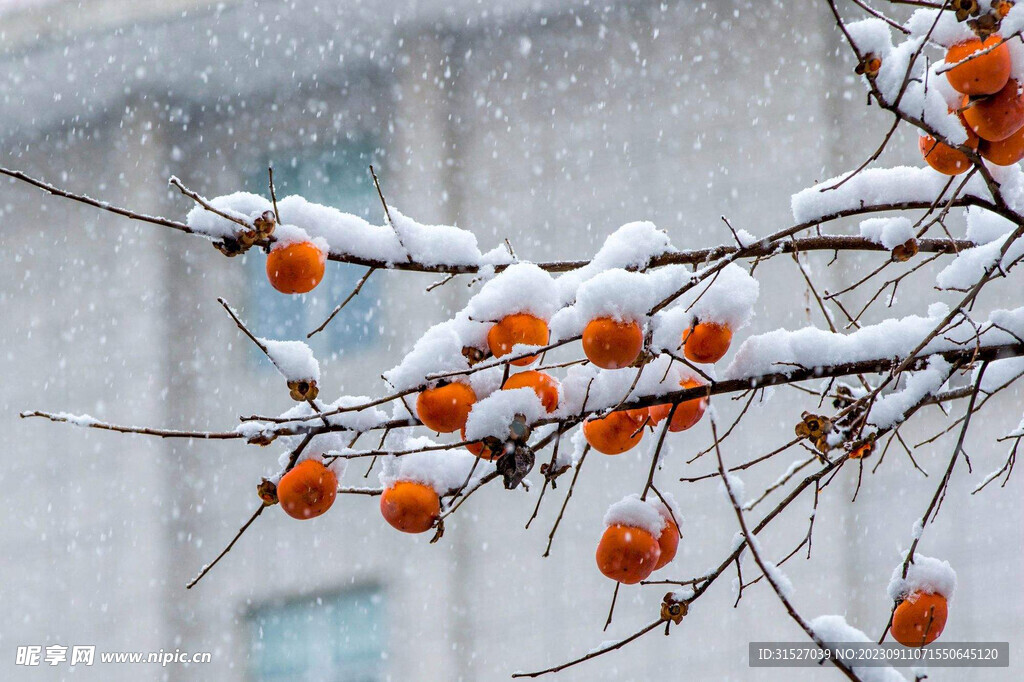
[[96, 203], [207, 205], [338, 308], [595, 653], [770, 573], [565, 502], [89, 422], [241, 531]]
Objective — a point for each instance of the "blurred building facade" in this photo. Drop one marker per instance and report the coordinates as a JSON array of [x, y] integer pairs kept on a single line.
[[550, 124]]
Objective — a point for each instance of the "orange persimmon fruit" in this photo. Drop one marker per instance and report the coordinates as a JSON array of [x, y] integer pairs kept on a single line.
[[997, 116], [618, 432], [1004, 152], [668, 541], [295, 268], [706, 342], [610, 344], [686, 415], [919, 619], [641, 415], [410, 507], [983, 75], [445, 408], [480, 448], [627, 554], [542, 384], [863, 451], [308, 490], [518, 328], [944, 158]]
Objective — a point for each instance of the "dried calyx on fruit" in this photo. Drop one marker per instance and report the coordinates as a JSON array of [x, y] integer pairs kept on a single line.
[[245, 239], [263, 227], [515, 464], [843, 398], [261, 438], [488, 447], [905, 251], [267, 491], [229, 247], [517, 458], [519, 431], [842, 431], [869, 65], [863, 450], [813, 426], [965, 9], [265, 224], [985, 25], [673, 608], [551, 473], [645, 357], [474, 355], [303, 389]]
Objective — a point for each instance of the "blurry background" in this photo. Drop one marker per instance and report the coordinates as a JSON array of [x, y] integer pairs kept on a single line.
[[549, 123]]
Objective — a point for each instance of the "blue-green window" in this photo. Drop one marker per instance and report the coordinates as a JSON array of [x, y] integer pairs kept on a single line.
[[338, 177], [335, 638]]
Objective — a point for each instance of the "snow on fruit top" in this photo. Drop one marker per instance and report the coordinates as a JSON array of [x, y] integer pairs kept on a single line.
[[640, 537], [924, 574], [921, 599], [632, 511]]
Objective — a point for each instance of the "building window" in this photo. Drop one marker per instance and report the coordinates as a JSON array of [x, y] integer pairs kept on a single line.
[[333, 638], [339, 178]]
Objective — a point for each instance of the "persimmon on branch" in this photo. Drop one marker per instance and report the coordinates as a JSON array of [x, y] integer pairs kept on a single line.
[[639, 327]]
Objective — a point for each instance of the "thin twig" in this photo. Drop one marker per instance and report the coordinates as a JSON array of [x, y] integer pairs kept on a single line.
[[611, 609], [565, 502], [338, 308], [207, 205], [241, 531], [96, 203], [273, 193], [89, 422], [595, 653], [769, 573]]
